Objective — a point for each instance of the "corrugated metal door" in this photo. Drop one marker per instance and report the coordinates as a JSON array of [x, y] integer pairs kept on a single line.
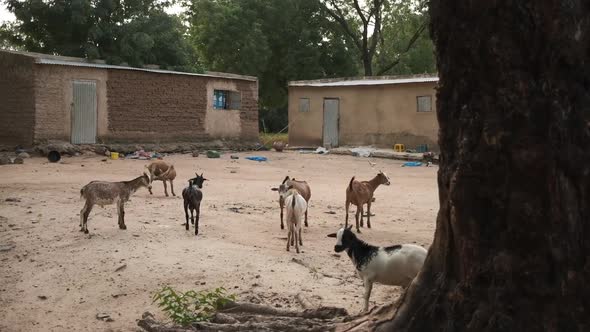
[[84, 112], [331, 117]]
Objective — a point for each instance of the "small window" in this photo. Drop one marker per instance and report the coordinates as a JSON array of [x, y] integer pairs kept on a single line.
[[303, 104], [227, 100], [424, 103]]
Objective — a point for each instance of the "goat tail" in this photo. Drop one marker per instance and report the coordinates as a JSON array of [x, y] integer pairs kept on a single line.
[[293, 200], [350, 184], [82, 192]]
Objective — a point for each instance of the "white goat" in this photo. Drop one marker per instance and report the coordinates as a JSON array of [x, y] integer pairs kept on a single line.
[[396, 265], [296, 207]]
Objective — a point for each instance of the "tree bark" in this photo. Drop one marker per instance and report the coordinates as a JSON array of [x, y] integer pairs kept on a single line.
[[512, 241]]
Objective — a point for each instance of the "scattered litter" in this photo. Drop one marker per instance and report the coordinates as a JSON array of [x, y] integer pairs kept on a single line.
[[18, 161], [195, 154], [233, 171], [120, 268], [213, 154], [143, 155], [412, 164], [362, 152], [6, 247], [53, 156], [42, 297], [279, 146], [321, 150], [12, 199], [5, 161], [257, 158], [330, 212], [104, 317], [234, 157]]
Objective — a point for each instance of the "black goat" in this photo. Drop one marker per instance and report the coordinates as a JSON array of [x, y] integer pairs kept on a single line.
[[192, 196]]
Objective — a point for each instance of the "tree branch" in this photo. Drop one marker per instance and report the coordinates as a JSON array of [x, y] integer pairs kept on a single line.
[[408, 47], [340, 18], [377, 30], [360, 12]]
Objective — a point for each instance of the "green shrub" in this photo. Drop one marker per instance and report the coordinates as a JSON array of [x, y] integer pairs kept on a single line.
[[189, 307]]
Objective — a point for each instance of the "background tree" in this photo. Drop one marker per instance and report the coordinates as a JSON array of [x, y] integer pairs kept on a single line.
[[136, 32], [388, 28], [277, 41]]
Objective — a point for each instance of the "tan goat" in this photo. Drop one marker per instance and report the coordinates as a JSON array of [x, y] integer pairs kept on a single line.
[[161, 171], [360, 193], [301, 186]]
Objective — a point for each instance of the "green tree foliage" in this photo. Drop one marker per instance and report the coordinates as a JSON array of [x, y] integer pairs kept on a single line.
[[277, 41], [137, 32], [404, 45], [386, 34]]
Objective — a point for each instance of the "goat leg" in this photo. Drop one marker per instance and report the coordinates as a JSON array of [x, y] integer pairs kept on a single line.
[[296, 237], [306, 217], [368, 288], [300, 240], [288, 238], [122, 216], [186, 213], [347, 205], [165, 188], [369, 214], [282, 225], [172, 188], [84, 217], [361, 208], [198, 214], [356, 217]]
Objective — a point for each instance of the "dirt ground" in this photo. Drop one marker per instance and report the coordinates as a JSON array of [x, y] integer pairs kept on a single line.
[[55, 278]]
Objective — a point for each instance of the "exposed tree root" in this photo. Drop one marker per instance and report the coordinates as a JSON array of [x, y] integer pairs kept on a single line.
[[255, 317]]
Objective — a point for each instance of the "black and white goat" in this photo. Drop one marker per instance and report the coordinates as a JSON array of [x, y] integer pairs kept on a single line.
[[193, 196], [396, 265]]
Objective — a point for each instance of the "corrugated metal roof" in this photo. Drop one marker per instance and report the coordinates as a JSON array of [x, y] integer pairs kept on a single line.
[[363, 81], [44, 61], [48, 59]]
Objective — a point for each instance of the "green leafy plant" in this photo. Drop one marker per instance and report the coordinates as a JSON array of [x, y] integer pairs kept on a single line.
[[188, 307]]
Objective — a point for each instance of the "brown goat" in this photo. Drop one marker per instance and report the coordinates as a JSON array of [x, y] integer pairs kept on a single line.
[[301, 186], [106, 193], [360, 193], [161, 171]]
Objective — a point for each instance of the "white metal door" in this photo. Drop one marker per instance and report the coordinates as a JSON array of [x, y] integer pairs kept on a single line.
[[331, 118], [84, 112]]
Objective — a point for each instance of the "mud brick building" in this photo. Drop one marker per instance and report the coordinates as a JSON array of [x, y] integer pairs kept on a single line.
[[379, 111], [45, 98]]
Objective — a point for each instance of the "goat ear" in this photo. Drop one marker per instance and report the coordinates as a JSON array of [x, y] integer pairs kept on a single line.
[[274, 189], [197, 174], [349, 227], [286, 179], [332, 235]]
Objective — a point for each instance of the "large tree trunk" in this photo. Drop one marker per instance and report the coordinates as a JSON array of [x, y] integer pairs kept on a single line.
[[512, 244]]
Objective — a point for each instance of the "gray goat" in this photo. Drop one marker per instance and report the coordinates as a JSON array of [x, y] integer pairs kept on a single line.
[[192, 196], [106, 193]]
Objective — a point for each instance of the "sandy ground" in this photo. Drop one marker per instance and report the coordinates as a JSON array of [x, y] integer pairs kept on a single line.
[[58, 279]]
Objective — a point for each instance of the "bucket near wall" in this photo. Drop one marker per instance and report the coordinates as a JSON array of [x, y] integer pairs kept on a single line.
[[53, 156], [114, 155]]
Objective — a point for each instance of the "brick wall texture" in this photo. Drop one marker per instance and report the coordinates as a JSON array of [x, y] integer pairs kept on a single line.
[[132, 106], [17, 102], [150, 107]]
